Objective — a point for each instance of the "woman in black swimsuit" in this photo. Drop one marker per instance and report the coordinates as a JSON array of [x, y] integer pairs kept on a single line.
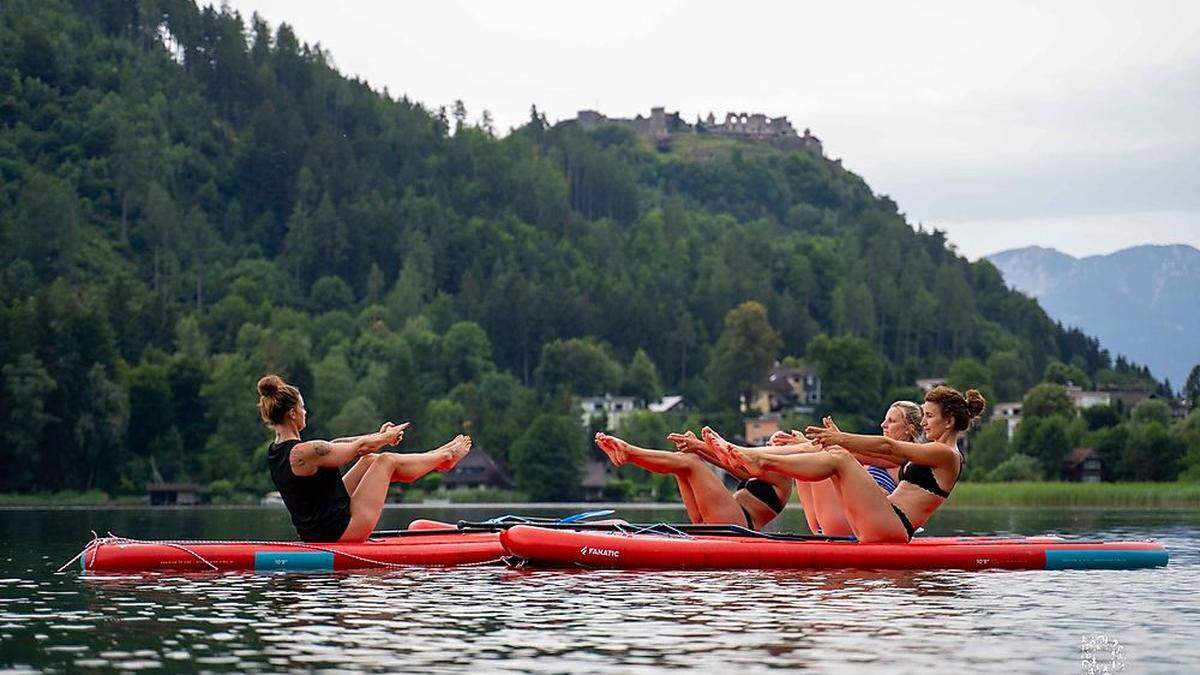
[[924, 467], [325, 505], [754, 503]]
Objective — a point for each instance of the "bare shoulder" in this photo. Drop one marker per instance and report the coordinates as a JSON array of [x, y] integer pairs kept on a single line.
[[933, 453], [305, 456]]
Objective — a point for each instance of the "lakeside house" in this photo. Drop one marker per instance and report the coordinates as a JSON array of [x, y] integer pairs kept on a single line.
[[760, 429], [1084, 398], [173, 494], [478, 470], [794, 389], [596, 475], [1010, 412], [668, 404], [612, 408], [1126, 398], [1083, 465]]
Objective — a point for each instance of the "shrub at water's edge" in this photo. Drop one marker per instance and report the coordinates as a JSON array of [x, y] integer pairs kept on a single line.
[[1109, 495]]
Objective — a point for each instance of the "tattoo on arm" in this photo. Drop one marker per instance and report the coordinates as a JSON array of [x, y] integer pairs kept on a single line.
[[322, 448]]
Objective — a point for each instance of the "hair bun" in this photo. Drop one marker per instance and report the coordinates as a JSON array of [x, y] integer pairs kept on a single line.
[[975, 402], [270, 385]]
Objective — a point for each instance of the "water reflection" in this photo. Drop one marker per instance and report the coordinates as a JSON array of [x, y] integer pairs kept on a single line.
[[499, 620]]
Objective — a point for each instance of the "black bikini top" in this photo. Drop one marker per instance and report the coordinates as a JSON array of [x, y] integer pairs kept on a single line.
[[922, 476]]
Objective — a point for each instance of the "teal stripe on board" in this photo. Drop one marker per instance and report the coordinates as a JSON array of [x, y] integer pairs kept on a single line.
[[295, 561], [1057, 559]]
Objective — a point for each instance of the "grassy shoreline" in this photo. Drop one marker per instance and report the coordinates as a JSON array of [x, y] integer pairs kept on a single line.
[[1109, 495], [967, 494]]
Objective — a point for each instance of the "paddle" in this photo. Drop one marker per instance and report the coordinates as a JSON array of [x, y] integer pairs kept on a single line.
[[697, 529], [508, 520]]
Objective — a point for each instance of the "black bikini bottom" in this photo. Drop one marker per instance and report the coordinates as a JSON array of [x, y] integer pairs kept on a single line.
[[905, 522], [764, 492]]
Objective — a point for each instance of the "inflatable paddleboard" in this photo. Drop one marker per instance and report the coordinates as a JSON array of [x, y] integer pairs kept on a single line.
[[427, 544], [560, 547]]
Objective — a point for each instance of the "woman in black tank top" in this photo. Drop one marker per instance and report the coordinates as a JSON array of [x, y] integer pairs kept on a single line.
[[927, 475], [325, 505]]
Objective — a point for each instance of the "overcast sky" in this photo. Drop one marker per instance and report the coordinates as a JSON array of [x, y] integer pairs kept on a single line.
[[1063, 124]]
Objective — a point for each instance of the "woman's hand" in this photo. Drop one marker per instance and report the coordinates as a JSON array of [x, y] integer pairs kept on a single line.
[[786, 438], [824, 436], [393, 434], [829, 424]]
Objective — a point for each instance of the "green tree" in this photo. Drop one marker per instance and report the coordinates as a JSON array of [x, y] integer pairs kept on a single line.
[[854, 310], [641, 378], [1187, 435], [443, 420], [1018, 467], [644, 428], [1191, 388], [1152, 453], [1008, 377], [1109, 443], [330, 293], [546, 459], [358, 416], [743, 354], [967, 373], [26, 385], [1152, 410], [1046, 439], [1046, 400], [466, 352], [1100, 417], [334, 384], [150, 406], [851, 373], [582, 365], [989, 448], [1061, 373]]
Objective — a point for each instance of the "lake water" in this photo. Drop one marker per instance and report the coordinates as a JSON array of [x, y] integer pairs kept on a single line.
[[494, 619]]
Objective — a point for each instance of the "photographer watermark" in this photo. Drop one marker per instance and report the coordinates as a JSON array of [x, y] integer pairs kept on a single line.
[[1100, 654]]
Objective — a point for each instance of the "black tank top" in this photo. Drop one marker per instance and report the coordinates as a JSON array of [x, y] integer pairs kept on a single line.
[[319, 504]]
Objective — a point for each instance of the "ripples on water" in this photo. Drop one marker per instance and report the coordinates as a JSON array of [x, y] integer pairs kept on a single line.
[[495, 619]]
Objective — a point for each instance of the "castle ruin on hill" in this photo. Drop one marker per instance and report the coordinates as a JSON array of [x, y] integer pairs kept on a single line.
[[661, 125]]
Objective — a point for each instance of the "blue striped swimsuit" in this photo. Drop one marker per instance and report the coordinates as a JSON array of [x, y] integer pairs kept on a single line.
[[883, 478]]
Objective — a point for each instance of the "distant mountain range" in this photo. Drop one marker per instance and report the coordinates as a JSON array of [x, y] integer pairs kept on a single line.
[[1141, 302]]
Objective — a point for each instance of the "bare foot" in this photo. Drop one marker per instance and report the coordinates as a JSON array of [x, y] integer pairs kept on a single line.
[[689, 443], [731, 455], [612, 446], [455, 450]]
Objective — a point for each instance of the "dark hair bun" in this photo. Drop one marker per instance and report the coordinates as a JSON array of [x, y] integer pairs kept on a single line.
[[270, 385], [975, 402]]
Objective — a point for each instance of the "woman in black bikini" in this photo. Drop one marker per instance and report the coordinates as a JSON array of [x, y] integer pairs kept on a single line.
[[924, 467], [325, 505], [755, 503]]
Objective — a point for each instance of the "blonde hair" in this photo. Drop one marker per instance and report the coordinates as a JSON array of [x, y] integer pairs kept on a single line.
[[912, 417], [276, 399]]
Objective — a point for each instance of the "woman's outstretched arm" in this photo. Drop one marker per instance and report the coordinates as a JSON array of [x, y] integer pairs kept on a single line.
[[928, 454], [351, 439]]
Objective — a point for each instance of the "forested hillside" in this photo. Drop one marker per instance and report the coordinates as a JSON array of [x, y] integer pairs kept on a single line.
[[190, 198]]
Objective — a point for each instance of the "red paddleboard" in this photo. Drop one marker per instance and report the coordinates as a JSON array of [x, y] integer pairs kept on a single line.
[[653, 551], [430, 547]]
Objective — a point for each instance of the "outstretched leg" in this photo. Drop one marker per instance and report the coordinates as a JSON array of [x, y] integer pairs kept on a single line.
[[370, 494], [827, 505], [867, 509], [804, 493], [713, 502]]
